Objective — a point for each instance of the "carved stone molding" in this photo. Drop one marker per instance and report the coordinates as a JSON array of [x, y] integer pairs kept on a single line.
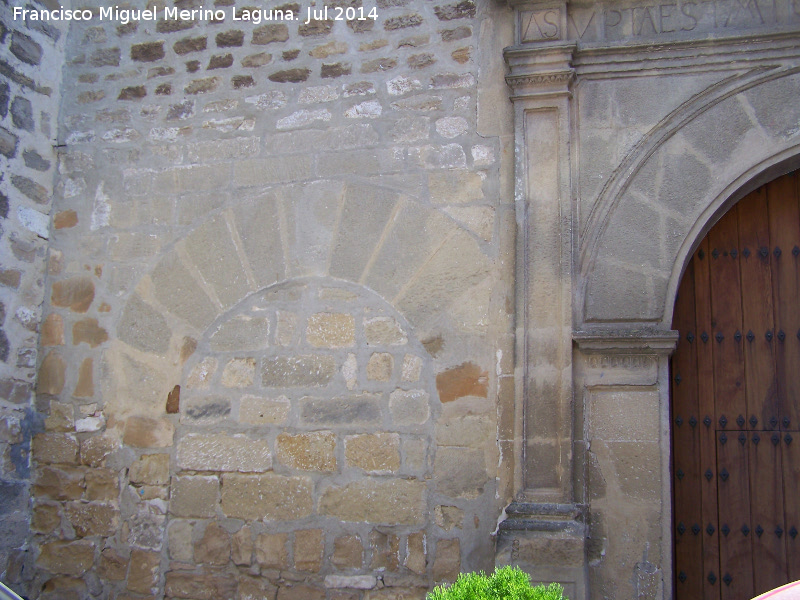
[[540, 70]]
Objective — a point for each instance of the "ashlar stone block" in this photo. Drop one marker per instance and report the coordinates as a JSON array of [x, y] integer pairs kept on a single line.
[[374, 453], [221, 452], [390, 502], [266, 497], [314, 451]]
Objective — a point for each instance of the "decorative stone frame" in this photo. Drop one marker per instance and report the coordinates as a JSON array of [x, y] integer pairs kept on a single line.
[[596, 282]]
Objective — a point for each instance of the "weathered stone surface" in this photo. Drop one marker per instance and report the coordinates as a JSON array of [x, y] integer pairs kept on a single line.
[[144, 432], [66, 558], [455, 186], [266, 34], [330, 330], [447, 564], [55, 448], [385, 549], [214, 547], [8, 143], [143, 327], [290, 75], [402, 22], [220, 452], [333, 70], [113, 566], [268, 496], [88, 331], [95, 449], [255, 410], [271, 550], [255, 588], [150, 469], [316, 28], [201, 374], [242, 547], [59, 483], [65, 219], [180, 540], [348, 552], [207, 586], [412, 368], [471, 431], [242, 333], [308, 451], [384, 331], [147, 52], [298, 371], [61, 418], [300, 591], [228, 39], [374, 453], [25, 48], [77, 293], [102, 485], [85, 386], [309, 545], [460, 472], [239, 372], [380, 366], [467, 379], [376, 501], [416, 559], [144, 571], [205, 409], [51, 374], [89, 519], [347, 411], [409, 407], [45, 518]]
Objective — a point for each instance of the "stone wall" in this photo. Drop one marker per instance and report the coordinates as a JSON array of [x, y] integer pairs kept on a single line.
[[31, 56], [280, 308]]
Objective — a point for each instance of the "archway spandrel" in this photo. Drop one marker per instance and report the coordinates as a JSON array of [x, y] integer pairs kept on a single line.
[[688, 176]]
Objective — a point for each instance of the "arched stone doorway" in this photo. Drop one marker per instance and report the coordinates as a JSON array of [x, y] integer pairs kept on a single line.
[[734, 385]]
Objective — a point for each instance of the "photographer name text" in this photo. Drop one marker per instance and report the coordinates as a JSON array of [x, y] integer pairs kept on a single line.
[[251, 15]]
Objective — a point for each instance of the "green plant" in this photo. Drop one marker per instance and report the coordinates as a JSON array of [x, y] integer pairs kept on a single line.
[[506, 583]]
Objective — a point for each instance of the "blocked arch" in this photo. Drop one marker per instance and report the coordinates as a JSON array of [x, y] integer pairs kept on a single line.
[[653, 216]]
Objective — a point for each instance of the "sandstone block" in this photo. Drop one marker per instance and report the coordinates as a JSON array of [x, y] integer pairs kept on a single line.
[[84, 388], [298, 371], [390, 502], [271, 550], [95, 449], [51, 374], [55, 448], [300, 591], [380, 366], [409, 407], [180, 540], [242, 547], [471, 431], [88, 331], [384, 331], [448, 517], [416, 559], [454, 187], [331, 330], [147, 52], [297, 75], [374, 453], [201, 374], [309, 545], [360, 410], [150, 469], [61, 418], [63, 483], [460, 472], [412, 368], [220, 452], [214, 547], [255, 588], [144, 571], [112, 565], [88, 519], [241, 334], [268, 496], [385, 551], [266, 34], [308, 451], [447, 564], [353, 582], [45, 518], [143, 327], [255, 410], [239, 372], [194, 496], [190, 44], [66, 558], [144, 432], [199, 586], [348, 552], [102, 485]]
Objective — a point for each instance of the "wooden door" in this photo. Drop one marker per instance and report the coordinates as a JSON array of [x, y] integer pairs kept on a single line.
[[735, 396]]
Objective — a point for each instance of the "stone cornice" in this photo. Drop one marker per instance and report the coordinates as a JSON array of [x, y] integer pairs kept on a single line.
[[625, 340]]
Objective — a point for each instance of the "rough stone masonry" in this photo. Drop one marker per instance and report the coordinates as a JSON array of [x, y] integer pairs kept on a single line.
[[265, 271]]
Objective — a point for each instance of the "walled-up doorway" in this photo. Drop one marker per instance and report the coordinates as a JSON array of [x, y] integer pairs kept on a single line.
[[736, 402]]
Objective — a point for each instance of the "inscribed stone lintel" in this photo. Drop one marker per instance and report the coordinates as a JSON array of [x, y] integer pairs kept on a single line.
[[649, 21]]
